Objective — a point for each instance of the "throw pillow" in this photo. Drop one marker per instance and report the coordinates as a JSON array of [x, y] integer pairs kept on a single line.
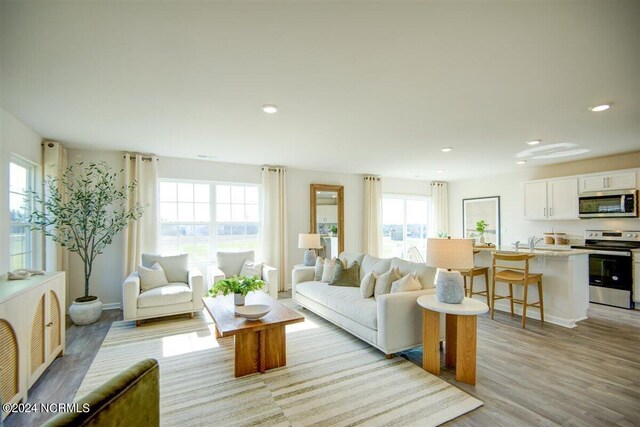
[[317, 276], [327, 272], [407, 283], [176, 267], [367, 285], [346, 276], [251, 269], [153, 277], [384, 282]]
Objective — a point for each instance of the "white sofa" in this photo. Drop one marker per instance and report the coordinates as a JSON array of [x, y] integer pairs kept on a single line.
[[230, 264], [391, 323], [182, 295]]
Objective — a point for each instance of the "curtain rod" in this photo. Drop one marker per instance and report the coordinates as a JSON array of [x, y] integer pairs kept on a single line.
[[143, 159]]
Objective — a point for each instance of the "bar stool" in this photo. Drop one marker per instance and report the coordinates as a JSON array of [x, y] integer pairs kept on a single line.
[[476, 271], [516, 276]]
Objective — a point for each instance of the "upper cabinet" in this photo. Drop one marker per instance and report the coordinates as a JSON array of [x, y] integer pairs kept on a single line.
[[554, 199], [608, 182]]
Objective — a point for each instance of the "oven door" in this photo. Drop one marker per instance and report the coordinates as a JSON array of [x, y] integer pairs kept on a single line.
[[610, 278]]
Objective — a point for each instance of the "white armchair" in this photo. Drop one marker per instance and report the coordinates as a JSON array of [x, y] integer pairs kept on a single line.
[[182, 295], [230, 264]]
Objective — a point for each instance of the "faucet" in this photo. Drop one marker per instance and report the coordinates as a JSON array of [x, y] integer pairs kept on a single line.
[[533, 242], [517, 244]]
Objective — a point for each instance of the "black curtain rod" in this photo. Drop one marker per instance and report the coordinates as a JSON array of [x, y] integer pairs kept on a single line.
[[144, 158]]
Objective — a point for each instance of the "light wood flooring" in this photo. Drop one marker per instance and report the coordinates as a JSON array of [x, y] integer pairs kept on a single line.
[[544, 375]]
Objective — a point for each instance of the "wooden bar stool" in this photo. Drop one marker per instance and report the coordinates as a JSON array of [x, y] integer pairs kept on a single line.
[[516, 276], [476, 271]]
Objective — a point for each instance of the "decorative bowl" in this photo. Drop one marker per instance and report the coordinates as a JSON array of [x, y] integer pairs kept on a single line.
[[252, 311]]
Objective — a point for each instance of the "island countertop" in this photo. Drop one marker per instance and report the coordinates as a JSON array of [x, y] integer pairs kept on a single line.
[[545, 250]]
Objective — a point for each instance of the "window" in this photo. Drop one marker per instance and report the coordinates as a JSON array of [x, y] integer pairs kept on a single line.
[[21, 183], [201, 218], [405, 225]]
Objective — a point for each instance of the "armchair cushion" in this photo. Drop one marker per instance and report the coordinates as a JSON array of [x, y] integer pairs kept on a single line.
[[231, 262], [176, 267], [172, 293], [251, 268], [153, 277]]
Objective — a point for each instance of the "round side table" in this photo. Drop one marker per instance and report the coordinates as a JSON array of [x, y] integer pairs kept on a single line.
[[460, 338]]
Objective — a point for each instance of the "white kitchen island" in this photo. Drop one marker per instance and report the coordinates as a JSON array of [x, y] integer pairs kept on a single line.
[[565, 283]]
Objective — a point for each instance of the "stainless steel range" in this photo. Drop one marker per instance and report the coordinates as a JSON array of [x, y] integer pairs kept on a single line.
[[611, 266]]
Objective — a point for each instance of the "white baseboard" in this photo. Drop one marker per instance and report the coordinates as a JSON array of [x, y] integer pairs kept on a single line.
[[112, 306]]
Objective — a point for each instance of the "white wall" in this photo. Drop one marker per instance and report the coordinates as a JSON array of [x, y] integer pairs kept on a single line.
[[15, 138], [508, 187]]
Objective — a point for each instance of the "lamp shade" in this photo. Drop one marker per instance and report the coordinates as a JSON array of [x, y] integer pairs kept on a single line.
[[452, 254], [308, 241]]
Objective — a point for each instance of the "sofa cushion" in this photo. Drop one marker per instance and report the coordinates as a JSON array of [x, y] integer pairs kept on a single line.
[[327, 271], [172, 293], [384, 282], [425, 274], [368, 284], [231, 262], [151, 277], [377, 265], [344, 300], [350, 257], [406, 284], [176, 267], [346, 276], [318, 269]]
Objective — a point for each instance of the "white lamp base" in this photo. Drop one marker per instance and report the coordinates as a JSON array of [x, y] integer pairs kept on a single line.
[[449, 287], [310, 257]]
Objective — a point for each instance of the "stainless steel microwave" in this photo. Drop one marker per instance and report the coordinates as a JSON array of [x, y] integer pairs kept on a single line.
[[607, 204]]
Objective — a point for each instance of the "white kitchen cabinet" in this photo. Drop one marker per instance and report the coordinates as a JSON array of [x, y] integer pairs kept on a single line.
[[562, 198], [554, 199], [608, 182], [327, 214], [535, 200]]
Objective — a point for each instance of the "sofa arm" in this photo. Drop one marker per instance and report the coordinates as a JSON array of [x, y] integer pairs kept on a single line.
[[300, 275], [400, 320], [196, 283], [270, 276], [214, 275], [130, 292]]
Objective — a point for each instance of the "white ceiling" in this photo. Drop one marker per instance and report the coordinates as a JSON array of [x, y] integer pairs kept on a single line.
[[362, 87]]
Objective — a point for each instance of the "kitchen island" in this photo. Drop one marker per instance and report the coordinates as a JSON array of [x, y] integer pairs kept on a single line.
[[565, 282]]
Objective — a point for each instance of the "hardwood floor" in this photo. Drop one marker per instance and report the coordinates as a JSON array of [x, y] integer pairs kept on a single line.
[[544, 375]]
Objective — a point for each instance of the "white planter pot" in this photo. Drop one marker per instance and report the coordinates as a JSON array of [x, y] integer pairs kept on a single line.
[[238, 299], [85, 313]]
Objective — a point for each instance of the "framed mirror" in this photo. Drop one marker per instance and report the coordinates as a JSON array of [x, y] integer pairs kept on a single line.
[[481, 219], [327, 218]]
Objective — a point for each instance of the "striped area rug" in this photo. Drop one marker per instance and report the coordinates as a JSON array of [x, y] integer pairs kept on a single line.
[[331, 378]]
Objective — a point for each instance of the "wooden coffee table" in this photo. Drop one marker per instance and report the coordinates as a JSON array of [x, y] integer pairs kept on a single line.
[[259, 344]]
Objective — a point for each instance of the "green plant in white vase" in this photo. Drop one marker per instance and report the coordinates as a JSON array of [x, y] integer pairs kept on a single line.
[[481, 226], [83, 212], [238, 286]]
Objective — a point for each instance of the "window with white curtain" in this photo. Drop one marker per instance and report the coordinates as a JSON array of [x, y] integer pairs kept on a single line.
[[201, 218], [405, 225], [22, 177]]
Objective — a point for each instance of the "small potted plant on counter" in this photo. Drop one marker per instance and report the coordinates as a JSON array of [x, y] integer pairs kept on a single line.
[[238, 286], [481, 226]]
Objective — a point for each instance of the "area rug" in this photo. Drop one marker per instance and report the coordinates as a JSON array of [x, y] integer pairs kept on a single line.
[[331, 378]]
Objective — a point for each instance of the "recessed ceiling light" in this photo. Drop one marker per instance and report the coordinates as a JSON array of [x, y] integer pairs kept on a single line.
[[599, 108], [440, 171], [521, 162], [269, 108], [534, 142], [446, 149]]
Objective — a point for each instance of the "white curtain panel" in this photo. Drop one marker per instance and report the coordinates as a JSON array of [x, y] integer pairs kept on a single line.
[[440, 205], [372, 212], [55, 257], [274, 223], [141, 236]]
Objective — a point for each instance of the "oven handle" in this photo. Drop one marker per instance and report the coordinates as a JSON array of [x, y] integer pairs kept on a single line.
[[614, 253]]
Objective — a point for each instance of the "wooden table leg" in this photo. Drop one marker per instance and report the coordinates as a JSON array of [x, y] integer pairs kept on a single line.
[[247, 353], [259, 351], [466, 349], [450, 340], [275, 347], [431, 341], [217, 332]]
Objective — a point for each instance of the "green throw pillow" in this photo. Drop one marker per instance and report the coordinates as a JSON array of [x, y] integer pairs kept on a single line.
[[343, 276]]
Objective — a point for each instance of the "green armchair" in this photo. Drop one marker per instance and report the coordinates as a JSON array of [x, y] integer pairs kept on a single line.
[[131, 398]]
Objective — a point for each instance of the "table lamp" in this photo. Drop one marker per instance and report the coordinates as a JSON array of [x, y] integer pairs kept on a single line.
[[450, 254], [310, 242]]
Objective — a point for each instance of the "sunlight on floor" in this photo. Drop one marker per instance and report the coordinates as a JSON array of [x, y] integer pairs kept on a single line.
[[188, 343], [296, 327]]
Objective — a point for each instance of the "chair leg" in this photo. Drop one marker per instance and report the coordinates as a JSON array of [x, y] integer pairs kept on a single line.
[[138, 323], [493, 296], [466, 291], [471, 285], [511, 297], [486, 285], [541, 301], [524, 306]]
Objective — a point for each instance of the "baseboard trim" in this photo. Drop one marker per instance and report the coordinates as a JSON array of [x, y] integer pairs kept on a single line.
[[534, 313], [112, 306]]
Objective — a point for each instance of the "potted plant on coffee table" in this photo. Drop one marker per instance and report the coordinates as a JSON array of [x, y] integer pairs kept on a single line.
[[238, 286], [83, 211]]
